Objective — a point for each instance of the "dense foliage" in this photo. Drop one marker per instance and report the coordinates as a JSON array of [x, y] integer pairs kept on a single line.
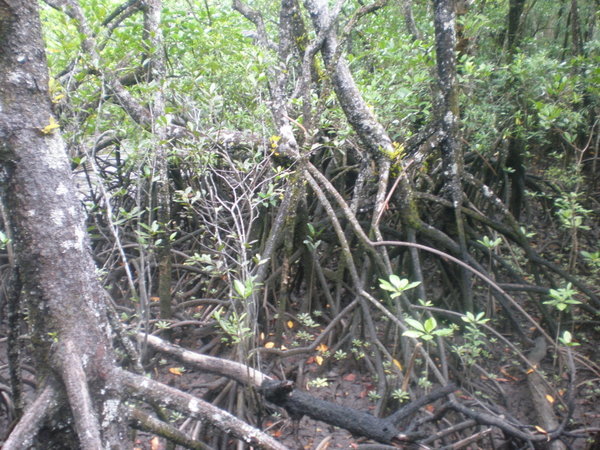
[[269, 252]]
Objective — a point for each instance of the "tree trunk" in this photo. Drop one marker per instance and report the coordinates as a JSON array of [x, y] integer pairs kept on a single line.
[[515, 9], [79, 381], [409, 20], [66, 309], [445, 42], [515, 143], [154, 43]]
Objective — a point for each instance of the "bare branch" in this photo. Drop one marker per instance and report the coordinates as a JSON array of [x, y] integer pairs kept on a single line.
[[231, 369], [146, 422], [146, 389], [74, 378], [35, 415]]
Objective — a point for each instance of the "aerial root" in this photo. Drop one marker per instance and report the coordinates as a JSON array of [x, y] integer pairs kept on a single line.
[[153, 391], [26, 429]]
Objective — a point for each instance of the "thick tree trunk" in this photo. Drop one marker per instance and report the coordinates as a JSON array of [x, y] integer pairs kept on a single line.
[[65, 308], [79, 381]]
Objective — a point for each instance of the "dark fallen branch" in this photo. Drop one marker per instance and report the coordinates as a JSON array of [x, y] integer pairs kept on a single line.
[[496, 421], [410, 409], [298, 404]]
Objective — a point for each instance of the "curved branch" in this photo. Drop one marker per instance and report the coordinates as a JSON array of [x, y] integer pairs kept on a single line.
[[479, 274], [239, 372], [144, 421], [43, 407], [146, 389]]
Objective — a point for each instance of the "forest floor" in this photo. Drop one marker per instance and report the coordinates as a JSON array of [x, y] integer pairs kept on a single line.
[[349, 382], [349, 385]]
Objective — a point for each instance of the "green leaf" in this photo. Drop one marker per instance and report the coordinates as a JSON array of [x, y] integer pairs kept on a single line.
[[397, 282], [415, 324], [430, 325], [443, 332], [468, 317], [412, 333], [412, 285], [239, 288], [385, 285]]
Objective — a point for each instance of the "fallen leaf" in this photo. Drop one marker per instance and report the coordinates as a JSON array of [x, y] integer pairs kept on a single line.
[[176, 371], [322, 348], [540, 429], [270, 345], [504, 372], [397, 364], [549, 398], [154, 299], [319, 359], [154, 443], [290, 324], [349, 377]]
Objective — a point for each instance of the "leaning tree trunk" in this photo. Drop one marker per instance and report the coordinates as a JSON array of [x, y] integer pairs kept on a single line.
[[66, 314]]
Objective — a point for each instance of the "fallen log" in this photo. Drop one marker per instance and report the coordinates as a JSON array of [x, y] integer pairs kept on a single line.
[[298, 404]]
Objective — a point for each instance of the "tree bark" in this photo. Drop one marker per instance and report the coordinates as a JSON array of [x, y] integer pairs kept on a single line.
[[516, 145], [156, 71], [409, 20], [515, 10], [66, 314], [79, 381], [445, 43]]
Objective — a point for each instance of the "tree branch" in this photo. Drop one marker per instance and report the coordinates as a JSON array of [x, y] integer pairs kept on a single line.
[[43, 407], [220, 366], [144, 421], [146, 389], [80, 401]]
